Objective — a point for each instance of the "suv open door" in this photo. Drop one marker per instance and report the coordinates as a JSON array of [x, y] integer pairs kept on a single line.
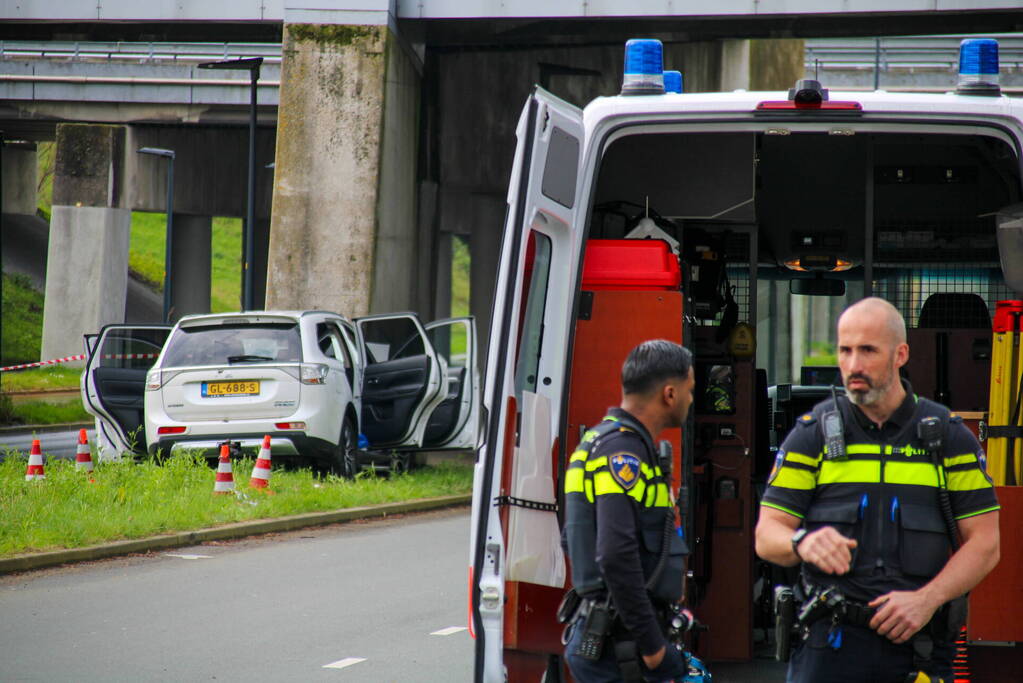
[[114, 382], [454, 423], [526, 362], [403, 380]]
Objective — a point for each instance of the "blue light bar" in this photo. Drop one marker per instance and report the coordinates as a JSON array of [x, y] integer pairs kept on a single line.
[[644, 67], [673, 81], [978, 67]]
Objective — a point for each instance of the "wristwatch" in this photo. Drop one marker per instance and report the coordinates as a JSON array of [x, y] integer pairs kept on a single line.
[[796, 538]]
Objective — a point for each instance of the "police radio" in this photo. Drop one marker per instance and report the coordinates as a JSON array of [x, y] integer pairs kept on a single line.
[[834, 431]]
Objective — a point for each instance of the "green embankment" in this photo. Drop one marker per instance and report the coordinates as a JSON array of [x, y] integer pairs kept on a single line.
[[125, 500]]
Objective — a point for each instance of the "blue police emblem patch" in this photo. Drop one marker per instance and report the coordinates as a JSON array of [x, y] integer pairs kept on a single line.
[[779, 460], [624, 469]]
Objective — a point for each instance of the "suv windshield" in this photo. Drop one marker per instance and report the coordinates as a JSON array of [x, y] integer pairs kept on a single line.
[[225, 344]]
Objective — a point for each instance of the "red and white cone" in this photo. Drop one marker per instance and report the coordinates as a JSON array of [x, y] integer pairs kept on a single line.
[[261, 470], [225, 477], [83, 456], [35, 463]]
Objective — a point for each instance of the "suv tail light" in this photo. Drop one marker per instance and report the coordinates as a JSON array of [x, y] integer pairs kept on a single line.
[[313, 373], [171, 430], [154, 380], [289, 425]]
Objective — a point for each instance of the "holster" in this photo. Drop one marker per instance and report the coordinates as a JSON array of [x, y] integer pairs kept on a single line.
[[627, 655]]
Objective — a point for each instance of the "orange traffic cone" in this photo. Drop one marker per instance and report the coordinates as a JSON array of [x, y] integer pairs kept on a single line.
[[35, 463], [225, 478], [261, 471], [83, 456]]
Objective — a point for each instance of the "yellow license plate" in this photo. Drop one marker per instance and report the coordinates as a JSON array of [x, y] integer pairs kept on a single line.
[[217, 389]]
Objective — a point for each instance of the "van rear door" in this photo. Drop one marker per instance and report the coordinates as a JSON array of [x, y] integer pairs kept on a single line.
[[526, 355]]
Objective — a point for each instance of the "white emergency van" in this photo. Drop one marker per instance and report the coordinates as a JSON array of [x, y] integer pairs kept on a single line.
[[881, 193]]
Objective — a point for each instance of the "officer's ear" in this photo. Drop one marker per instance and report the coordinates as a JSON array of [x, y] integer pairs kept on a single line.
[[901, 354]]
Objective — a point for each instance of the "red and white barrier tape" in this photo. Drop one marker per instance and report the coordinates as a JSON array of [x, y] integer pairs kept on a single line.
[[107, 356]]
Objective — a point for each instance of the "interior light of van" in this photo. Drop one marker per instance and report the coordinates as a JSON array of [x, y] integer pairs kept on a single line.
[[829, 264], [789, 105], [644, 67], [673, 81], [171, 430], [313, 373], [978, 67]]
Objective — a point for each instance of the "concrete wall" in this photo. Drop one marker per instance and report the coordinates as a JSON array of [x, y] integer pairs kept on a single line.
[[19, 178]]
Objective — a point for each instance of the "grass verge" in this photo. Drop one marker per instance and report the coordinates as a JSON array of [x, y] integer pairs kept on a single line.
[[126, 500], [22, 330], [39, 379], [45, 413]]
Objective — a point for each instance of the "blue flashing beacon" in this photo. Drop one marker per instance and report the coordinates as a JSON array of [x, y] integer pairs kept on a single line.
[[978, 67], [673, 81], [644, 67]]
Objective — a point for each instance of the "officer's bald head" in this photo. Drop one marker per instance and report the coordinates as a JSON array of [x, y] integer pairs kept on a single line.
[[871, 311]]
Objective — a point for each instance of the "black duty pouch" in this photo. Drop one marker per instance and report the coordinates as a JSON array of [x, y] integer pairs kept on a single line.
[[569, 606]]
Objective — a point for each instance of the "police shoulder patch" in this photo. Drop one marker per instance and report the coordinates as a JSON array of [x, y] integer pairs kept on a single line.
[[779, 461], [624, 469]]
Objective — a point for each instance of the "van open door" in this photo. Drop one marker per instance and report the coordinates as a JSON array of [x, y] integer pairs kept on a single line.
[[517, 568], [114, 382], [402, 379], [455, 422]]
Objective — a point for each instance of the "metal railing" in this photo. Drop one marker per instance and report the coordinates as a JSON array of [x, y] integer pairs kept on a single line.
[[184, 53]]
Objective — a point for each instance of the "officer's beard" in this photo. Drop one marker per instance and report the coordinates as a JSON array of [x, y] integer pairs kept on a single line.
[[872, 395]]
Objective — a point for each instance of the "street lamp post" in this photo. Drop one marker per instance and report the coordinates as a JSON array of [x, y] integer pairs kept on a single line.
[[167, 154], [250, 64]]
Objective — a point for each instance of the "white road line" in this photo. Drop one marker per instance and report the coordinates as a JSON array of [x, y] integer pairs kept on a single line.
[[450, 630], [185, 556], [342, 663]]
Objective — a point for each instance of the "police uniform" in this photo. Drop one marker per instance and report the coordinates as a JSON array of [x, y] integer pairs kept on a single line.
[[884, 494], [616, 506]]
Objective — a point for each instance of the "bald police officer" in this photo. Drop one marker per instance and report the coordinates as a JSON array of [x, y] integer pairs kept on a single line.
[[617, 503], [865, 517]]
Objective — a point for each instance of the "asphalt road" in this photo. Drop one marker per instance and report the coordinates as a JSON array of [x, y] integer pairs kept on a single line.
[[53, 444], [374, 601]]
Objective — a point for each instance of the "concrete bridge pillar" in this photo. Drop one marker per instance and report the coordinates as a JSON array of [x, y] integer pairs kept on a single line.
[[19, 177], [343, 232], [87, 259], [190, 265]]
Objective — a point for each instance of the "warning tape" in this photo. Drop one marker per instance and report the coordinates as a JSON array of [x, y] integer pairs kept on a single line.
[[107, 356]]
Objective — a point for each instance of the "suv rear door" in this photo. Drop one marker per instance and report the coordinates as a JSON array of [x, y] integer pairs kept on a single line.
[[402, 379], [454, 423], [113, 383]]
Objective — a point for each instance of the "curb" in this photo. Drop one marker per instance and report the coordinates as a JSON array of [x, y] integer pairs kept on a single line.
[[28, 561], [46, 429]]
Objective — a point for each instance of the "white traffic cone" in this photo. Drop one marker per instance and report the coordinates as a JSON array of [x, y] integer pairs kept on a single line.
[[225, 477], [261, 470], [35, 463], [83, 456]]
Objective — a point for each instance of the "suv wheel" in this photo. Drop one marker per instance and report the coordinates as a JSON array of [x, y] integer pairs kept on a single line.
[[401, 462], [344, 458]]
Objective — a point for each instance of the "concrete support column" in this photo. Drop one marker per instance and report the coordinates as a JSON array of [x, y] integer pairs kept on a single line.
[[191, 258], [343, 235], [87, 259], [761, 64], [19, 177]]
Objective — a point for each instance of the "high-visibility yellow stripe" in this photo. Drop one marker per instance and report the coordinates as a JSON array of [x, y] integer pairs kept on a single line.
[[782, 508], [651, 494], [967, 480], [905, 451], [579, 456], [588, 488], [596, 463], [574, 480], [862, 449], [792, 478], [647, 471], [662, 496], [850, 472], [915, 473], [800, 458], [961, 459], [604, 483], [590, 435]]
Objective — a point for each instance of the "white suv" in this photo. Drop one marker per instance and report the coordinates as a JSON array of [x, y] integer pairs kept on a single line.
[[313, 380]]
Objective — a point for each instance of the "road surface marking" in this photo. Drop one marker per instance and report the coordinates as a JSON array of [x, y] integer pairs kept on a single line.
[[342, 663], [185, 556], [450, 630]]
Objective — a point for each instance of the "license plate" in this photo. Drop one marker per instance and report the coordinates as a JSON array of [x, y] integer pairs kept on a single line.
[[218, 389]]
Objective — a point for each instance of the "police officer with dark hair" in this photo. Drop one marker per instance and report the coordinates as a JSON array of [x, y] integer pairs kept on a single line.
[[872, 496], [619, 526]]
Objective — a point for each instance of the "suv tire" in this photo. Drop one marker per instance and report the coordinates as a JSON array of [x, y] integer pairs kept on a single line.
[[344, 457]]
